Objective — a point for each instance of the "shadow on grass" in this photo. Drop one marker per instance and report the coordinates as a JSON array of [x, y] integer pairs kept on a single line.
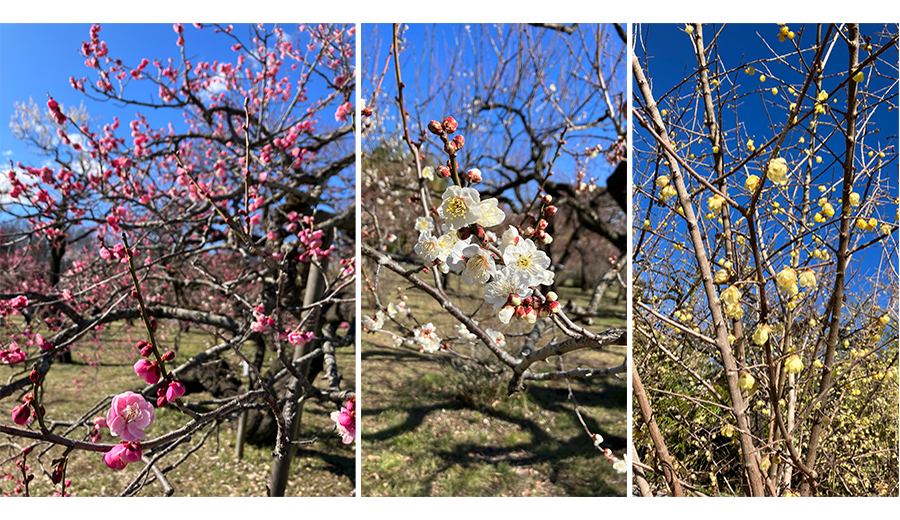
[[561, 457]]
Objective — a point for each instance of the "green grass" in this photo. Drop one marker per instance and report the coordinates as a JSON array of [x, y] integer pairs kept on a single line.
[[427, 430], [324, 468]]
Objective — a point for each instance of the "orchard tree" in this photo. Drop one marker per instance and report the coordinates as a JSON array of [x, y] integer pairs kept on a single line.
[[765, 253], [224, 205], [488, 170]]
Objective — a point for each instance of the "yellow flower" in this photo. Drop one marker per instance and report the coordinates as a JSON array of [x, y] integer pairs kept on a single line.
[[734, 311], [818, 159], [818, 364], [662, 181], [689, 29], [715, 149], [823, 95], [746, 381], [778, 171], [751, 183], [731, 295], [859, 76], [807, 279], [762, 78], [728, 431], [854, 199], [761, 335], [884, 320], [786, 278], [721, 276], [667, 193], [774, 91], [715, 203], [873, 223], [793, 365], [828, 209], [765, 464]]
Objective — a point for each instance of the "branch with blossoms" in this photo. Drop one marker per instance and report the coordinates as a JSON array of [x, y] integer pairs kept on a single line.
[[234, 220], [771, 356]]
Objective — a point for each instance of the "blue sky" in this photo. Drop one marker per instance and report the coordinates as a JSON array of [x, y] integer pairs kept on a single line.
[[51, 56], [672, 58], [455, 51]]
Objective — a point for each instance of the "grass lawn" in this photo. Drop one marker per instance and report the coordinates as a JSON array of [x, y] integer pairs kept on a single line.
[[428, 430], [324, 468]]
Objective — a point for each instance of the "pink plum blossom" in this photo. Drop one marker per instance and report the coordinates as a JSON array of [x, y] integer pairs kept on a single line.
[[122, 454], [128, 416], [345, 421], [147, 370], [175, 391]]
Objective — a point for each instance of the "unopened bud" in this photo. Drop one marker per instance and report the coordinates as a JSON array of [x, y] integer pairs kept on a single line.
[[529, 231], [552, 296], [531, 315], [435, 127], [554, 307], [527, 301], [543, 312], [34, 376], [474, 176], [450, 147], [514, 299], [459, 141], [480, 233], [367, 111], [520, 312], [542, 224], [547, 200], [449, 125], [152, 323], [161, 401], [57, 475], [26, 451], [550, 210], [168, 356], [444, 171]]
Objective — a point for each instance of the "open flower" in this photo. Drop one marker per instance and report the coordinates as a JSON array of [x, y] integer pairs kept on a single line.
[[428, 173], [424, 224], [427, 339], [793, 364], [491, 215], [479, 266], [715, 203], [498, 338], [731, 295], [428, 247], [787, 281], [345, 421], [525, 259], [751, 183], [505, 283], [461, 207], [761, 335], [807, 279], [778, 171], [128, 416]]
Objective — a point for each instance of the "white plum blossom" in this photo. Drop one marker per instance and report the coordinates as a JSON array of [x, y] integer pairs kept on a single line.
[[428, 247], [392, 310], [526, 259], [505, 282], [510, 238], [497, 336], [375, 324], [548, 277], [506, 313], [465, 334], [427, 339], [479, 265], [428, 173], [491, 215], [424, 224], [455, 260], [460, 207]]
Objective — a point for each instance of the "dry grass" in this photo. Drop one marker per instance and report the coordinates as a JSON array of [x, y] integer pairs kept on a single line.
[[324, 468]]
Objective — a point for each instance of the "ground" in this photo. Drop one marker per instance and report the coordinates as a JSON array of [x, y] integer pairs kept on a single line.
[[427, 430], [323, 468]]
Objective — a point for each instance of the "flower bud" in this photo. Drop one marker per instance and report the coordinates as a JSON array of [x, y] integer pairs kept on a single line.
[[550, 210], [459, 140], [542, 224], [544, 311], [531, 315], [26, 451], [168, 356], [34, 376], [546, 200], [480, 233], [527, 301], [435, 127], [520, 312], [443, 172], [449, 125], [514, 299], [474, 176], [21, 414], [153, 323], [161, 402], [554, 307], [552, 296], [529, 231], [450, 147], [57, 475], [367, 111]]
